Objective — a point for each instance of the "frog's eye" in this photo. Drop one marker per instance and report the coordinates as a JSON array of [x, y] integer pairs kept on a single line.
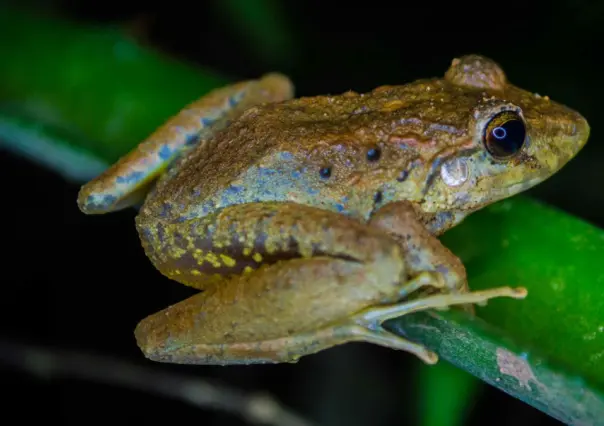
[[504, 135]]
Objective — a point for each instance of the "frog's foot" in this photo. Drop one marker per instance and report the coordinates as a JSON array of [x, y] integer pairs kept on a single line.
[[368, 323], [381, 337], [377, 315]]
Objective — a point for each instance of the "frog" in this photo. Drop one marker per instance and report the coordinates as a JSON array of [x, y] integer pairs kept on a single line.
[[307, 223]]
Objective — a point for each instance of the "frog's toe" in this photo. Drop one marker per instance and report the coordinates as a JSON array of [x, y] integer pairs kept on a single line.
[[423, 279], [368, 323], [382, 337], [375, 316]]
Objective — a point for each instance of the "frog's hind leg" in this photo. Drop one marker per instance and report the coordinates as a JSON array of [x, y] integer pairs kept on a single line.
[[294, 280], [361, 330], [187, 333], [288, 273], [366, 326], [126, 183]]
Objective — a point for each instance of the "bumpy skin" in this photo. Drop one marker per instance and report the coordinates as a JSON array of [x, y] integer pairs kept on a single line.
[[308, 222]]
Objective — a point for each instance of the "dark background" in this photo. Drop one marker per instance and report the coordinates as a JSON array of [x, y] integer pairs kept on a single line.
[[82, 283]]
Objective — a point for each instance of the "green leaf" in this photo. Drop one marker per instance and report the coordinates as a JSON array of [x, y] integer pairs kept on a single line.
[[446, 394], [94, 83]]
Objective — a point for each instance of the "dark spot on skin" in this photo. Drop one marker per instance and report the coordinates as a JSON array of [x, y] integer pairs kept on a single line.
[[325, 172], [432, 175], [402, 176], [207, 121], [166, 209], [160, 234], [165, 153], [377, 198], [180, 241], [373, 154], [463, 198], [442, 269], [147, 234], [441, 220], [414, 258], [192, 139], [234, 100], [133, 177]]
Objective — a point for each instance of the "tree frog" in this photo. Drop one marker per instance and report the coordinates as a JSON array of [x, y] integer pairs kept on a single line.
[[306, 223]]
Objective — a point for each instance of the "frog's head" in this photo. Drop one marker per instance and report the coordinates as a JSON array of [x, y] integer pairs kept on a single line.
[[513, 140]]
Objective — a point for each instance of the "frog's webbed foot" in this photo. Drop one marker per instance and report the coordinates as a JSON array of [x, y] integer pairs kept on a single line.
[[367, 325]]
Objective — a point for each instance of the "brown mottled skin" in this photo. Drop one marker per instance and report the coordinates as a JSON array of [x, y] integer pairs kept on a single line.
[[309, 222]]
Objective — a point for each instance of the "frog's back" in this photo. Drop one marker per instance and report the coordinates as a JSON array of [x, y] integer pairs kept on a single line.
[[329, 151]]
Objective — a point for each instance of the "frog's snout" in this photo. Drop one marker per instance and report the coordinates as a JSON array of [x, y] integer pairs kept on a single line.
[[581, 132], [572, 138]]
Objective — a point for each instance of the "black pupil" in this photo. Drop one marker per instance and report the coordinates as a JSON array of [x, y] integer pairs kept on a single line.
[[507, 138]]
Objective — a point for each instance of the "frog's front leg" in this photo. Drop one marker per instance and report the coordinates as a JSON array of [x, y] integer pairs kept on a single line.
[[422, 250], [294, 280]]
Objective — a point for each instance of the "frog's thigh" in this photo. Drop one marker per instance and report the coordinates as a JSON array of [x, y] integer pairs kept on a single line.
[[243, 237], [127, 182], [274, 314]]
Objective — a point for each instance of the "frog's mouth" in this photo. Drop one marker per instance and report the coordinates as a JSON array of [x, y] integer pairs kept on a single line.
[[516, 188]]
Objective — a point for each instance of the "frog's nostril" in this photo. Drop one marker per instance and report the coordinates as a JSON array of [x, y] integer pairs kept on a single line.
[[572, 137], [402, 176]]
